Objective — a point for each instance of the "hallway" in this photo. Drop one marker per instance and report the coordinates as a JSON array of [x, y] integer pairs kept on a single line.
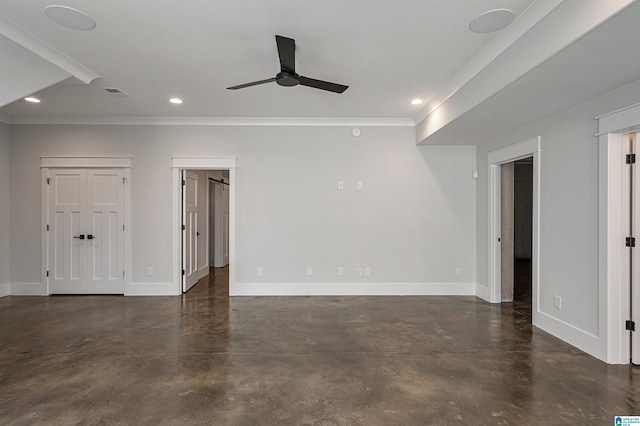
[[204, 359]]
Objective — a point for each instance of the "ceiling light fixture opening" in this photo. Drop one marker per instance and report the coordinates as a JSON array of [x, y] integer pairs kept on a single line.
[[176, 101], [70, 17], [32, 100], [492, 20], [416, 102]]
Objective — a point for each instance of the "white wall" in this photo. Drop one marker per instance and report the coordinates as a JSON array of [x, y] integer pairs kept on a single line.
[[414, 221], [4, 209], [568, 216]]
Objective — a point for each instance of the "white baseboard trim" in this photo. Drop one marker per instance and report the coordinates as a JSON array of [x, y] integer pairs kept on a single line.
[[202, 272], [571, 334], [4, 290], [151, 289], [353, 289], [482, 292], [28, 289]]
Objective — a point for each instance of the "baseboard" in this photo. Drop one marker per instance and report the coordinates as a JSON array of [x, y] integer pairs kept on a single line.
[[571, 334], [352, 289], [28, 289], [4, 290], [151, 289], [202, 272], [482, 292]]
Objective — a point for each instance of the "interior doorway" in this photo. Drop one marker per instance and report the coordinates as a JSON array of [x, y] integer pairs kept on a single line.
[[529, 149], [205, 224], [200, 165], [516, 185]]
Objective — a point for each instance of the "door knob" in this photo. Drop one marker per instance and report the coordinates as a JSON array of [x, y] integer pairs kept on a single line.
[[81, 237], [91, 237], [197, 234]]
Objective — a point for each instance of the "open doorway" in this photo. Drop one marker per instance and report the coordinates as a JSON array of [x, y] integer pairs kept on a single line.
[[205, 225], [516, 234], [196, 239], [526, 150]]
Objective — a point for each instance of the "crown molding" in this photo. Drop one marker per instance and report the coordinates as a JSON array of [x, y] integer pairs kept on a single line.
[[219, 121]]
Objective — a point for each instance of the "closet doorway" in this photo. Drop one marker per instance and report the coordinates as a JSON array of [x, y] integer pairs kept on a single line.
[[86, 237]]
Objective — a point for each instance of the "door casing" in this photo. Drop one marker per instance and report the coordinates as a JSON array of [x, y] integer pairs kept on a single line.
[[48, 163], [178, 165]]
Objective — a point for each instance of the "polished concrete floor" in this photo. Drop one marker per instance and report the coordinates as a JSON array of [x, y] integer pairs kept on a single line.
[[205, 359]]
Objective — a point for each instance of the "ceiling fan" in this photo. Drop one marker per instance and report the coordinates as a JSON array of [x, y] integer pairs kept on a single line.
[[287, 75]]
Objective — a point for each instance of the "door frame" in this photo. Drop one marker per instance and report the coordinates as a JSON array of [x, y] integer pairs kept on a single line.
[[178, 164], [48, 163], [495, 159], [613, 264]]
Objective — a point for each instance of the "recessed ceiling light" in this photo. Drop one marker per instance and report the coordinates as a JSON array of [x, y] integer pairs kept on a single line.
[[416, 102], [175, 100], [32, 100], [492, 20], [70, 17]]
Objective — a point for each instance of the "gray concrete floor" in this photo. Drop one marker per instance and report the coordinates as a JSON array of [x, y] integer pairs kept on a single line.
[[204, 359]]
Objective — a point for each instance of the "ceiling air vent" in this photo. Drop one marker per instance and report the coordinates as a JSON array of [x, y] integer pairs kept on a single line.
[[115, 92]]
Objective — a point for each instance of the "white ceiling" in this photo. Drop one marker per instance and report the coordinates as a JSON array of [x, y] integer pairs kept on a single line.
[[388, 53]]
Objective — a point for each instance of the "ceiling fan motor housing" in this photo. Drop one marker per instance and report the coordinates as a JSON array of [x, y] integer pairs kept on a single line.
[[287, 79]]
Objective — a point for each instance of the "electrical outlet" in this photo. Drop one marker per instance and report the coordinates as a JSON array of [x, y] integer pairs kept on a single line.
[[149, 271], [359, 272], [309, 272], [340, 272], [367, 272], [259, 271], [458, 271], [359, 185], [557, 302], [340, 184]]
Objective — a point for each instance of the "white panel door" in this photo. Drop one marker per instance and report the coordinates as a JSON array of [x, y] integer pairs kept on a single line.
[[86, 234], [191, 230], [67, 224], [634, 293], [225, 225], [105, 231]]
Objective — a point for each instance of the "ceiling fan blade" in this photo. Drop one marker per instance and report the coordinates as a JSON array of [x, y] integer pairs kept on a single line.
[[323, 85], [287, 53], [255, 83]]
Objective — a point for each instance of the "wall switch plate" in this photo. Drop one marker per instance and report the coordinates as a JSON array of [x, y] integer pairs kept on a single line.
[[458, 271], [359, 272], [367, 272], [340, 184], [341, 272], [149, 271], [259, 271], [359, 185], [557, 302], [309, 272]]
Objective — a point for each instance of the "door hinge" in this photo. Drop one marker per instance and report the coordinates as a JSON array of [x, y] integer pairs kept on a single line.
[[630, 325], [123, 227], [48, 181], [184, 182], [47, 227], [122, 274], [183, 272], [630, 242], [184, 227], [47, 273], [630, 158], [124, 180]]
